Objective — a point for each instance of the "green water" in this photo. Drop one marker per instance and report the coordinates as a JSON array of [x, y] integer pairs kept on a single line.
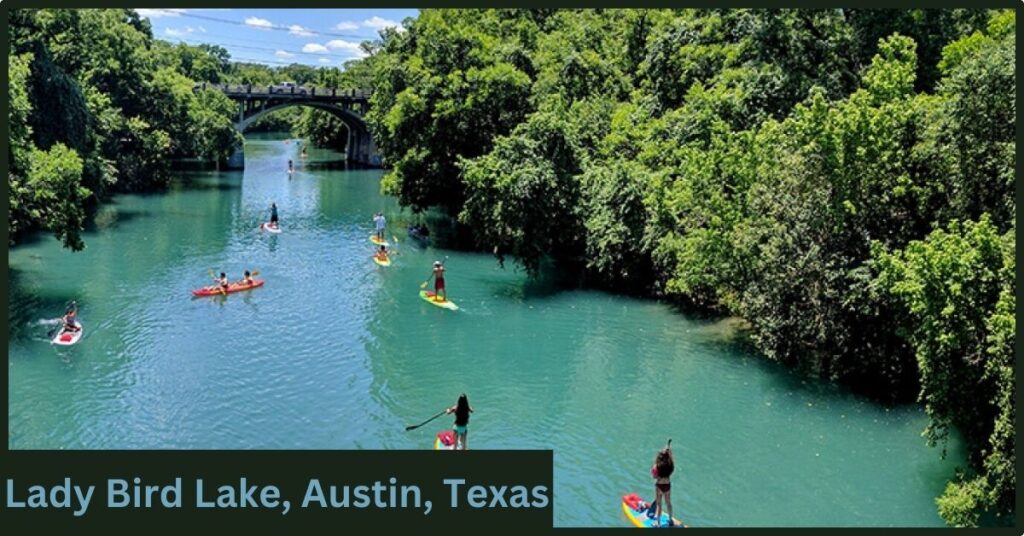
[[338, 353]]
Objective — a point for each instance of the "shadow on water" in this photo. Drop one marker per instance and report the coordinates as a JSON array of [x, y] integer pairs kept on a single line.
[[109, 216], [25, 301], [330, 165]]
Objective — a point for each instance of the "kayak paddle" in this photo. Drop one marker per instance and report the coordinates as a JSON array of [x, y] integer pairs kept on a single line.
[[415, 426]]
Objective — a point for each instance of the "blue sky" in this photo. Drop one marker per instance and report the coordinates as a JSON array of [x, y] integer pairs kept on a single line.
[[319, 37]]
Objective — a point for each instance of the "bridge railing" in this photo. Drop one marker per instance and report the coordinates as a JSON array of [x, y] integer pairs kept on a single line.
[[281, 90]]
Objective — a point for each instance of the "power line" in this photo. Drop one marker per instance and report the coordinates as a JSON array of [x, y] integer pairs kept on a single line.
[[271, 27], [293, 52]]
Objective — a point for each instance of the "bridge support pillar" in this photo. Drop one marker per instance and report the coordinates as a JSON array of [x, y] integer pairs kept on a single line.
[[237, 158], [360, 149]]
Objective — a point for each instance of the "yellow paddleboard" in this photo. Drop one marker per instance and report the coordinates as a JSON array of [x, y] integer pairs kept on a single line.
[[385, 262], [429, 297], [379, 242]]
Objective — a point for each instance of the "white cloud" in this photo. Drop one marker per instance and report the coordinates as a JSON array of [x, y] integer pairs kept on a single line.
[[378, 23], [347, 25], [174, 32], [157, 13], [295, 29], [201, 29], [347, 47], [325, 60], [284, 54], [315, 48], [257, 22]]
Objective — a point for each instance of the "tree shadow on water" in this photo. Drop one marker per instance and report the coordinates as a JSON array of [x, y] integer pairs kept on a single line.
[[29, 308]]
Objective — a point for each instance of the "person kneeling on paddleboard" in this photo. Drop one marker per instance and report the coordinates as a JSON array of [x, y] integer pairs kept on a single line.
[[273, 215], [71, 317], [461, 409], [664, 465], [440, 294], [382, 253]]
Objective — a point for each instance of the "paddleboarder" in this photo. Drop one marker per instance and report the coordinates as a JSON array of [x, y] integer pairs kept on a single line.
[[379, 223], [440, 294], [664, 465], [273, 215], [71, 317], [461, 409]]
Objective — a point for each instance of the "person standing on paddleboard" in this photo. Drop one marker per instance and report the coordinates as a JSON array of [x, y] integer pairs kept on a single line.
[[461, 409], [664, 465], [380, 222], [291, 167], [440, 294], [273, 214]]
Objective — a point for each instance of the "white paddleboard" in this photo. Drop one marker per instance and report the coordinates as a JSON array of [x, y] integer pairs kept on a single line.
[[67, 338]]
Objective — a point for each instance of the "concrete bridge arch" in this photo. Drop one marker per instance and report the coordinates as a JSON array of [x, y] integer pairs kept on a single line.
[[347, 105]]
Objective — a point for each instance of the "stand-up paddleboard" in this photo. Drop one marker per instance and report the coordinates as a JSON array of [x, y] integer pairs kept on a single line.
[[445, 440], [637, 509], [266, 227], [383, 262], [233, 287], [67, 338], [379, 242], [430, 297]]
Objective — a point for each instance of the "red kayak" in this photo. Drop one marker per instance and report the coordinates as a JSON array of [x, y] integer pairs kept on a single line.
[[233, 287]]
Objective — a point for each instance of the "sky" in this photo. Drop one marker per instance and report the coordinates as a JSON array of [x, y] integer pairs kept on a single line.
[[316, 37]]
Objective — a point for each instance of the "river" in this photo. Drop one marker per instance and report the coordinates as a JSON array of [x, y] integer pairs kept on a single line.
[[338, 353]]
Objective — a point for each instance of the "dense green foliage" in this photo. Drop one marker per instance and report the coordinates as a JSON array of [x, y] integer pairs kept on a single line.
[[99, 106], [843, 179]]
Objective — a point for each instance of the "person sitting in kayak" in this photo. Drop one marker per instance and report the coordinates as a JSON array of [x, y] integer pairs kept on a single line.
[[664, 465], [273, 215], [222, 281], [379, 222], [246, 279], [71, 317], [461, 409], [440, 294]]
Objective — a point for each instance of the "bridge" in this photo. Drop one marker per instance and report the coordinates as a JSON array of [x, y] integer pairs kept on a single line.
[[348, 105]]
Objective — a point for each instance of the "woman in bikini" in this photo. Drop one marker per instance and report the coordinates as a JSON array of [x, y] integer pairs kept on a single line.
[[664, 465]]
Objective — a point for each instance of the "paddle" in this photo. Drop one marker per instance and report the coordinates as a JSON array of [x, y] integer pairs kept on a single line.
[[415, 426], [427, 282]]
